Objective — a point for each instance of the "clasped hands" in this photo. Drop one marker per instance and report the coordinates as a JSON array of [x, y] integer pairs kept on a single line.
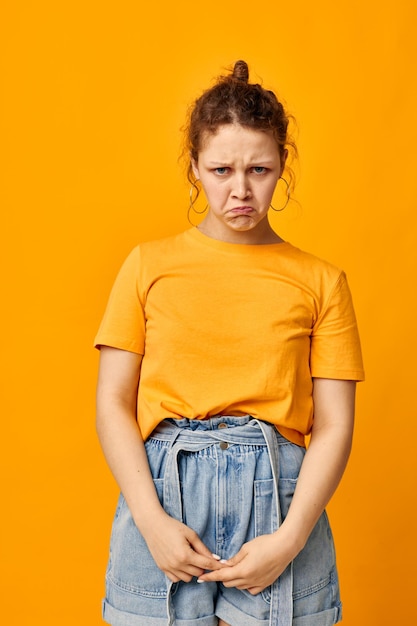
[[181, 555]]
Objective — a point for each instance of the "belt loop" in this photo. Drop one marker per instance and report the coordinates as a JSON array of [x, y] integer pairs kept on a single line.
[[281, 612], [172, 504], [172, 494]]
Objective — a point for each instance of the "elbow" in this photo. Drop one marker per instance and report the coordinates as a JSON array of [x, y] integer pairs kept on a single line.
[[334, 434]]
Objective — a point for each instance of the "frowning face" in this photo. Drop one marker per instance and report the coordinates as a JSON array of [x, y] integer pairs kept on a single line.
[[238, 168]]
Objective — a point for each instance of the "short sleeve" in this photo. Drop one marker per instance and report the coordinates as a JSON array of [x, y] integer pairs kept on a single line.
[[335, 344], [123, 324]]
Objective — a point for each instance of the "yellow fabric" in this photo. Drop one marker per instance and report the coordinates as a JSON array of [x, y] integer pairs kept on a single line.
[[231, 329]]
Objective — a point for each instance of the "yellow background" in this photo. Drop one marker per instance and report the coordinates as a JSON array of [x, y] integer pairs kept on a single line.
[[93, 96]]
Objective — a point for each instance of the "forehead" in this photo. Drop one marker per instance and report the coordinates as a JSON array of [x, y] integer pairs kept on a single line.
[[234, 140]]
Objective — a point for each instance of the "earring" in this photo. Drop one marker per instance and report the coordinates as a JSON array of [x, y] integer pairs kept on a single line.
[[287, 193], [192, 200]]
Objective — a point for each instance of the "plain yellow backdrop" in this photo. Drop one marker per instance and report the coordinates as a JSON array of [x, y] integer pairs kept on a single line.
[[93, 97]]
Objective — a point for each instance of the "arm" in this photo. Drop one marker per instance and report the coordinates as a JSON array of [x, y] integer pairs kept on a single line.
[[326, 457], [177, 550], [262, 560]]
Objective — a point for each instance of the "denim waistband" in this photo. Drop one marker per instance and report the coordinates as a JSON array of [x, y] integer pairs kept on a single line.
[[195, 435]]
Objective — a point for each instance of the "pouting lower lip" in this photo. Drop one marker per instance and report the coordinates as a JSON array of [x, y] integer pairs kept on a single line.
[[242, 209]]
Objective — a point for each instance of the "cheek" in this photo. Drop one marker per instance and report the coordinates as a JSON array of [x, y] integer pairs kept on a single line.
[[215, 193], [269, 191]]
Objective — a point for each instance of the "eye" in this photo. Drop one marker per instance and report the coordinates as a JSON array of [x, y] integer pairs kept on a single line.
[[259, 169], [221, 171]]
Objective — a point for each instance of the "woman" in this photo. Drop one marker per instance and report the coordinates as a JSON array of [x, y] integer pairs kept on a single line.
[[216, 346]]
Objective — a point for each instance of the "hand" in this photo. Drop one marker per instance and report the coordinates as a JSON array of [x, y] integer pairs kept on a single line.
[[256, 566], [178, 551]]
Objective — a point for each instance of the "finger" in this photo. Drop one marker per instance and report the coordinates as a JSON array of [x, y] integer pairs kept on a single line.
[[182, 576], [185, 575], [200, 548], [236, 583], [211, 562], [224, 575], [237, 558], [172, 577], [193, 571], [222, 564], [208, 560], [189, 564], [255, 590]]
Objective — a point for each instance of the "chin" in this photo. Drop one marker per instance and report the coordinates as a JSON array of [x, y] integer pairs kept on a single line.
[[243, 229], [242, 224]]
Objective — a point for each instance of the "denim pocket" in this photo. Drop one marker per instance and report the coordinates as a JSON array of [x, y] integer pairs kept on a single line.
[[263, 506], [286, 488], [131, 565]]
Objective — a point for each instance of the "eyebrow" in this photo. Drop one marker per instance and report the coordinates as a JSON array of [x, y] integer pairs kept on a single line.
[[253, 164]]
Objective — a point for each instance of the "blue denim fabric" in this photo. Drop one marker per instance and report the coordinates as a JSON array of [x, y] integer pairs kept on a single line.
[[230, 479]]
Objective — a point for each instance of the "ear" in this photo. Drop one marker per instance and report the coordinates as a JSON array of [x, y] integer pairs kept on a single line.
[[194, 166]]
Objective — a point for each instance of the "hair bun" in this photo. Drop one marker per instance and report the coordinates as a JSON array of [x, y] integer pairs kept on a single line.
[[241, 71]]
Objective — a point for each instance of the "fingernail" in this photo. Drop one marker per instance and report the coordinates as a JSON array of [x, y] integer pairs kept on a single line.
[[223, 561], [216, 556], [200, 581]]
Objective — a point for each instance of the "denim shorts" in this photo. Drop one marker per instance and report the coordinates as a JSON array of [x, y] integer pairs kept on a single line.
[[230, 479]]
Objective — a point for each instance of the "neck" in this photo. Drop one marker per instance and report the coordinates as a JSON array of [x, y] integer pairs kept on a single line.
[[263, 234]]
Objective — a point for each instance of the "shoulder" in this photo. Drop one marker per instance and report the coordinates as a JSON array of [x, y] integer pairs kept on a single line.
[[154, 248], [309, 260], [168, 244], [312, 269]]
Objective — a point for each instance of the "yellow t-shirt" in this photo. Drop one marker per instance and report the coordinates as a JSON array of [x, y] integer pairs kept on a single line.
[[231, 329]]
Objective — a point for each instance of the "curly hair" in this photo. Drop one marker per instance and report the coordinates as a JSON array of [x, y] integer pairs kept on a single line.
[[233, 100]]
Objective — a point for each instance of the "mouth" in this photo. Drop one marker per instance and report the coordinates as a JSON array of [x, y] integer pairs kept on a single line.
[[242, 210]]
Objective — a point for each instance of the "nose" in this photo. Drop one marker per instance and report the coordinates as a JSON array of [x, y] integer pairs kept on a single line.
[[241, 187]]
